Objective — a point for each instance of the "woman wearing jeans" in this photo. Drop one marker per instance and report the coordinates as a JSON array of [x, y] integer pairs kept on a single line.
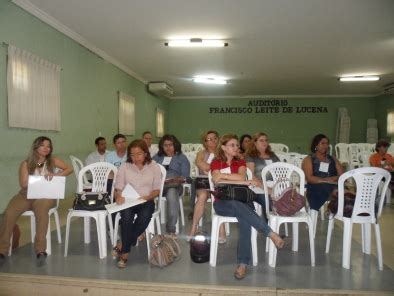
[[145, 177], [178, 172], [227, 168]]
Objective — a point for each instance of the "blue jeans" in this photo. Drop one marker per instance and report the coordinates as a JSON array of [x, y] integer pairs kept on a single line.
[[172, 195], [132, 227], [247, 218]]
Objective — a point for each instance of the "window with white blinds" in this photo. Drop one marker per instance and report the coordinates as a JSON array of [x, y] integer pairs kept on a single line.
[[126, 114]]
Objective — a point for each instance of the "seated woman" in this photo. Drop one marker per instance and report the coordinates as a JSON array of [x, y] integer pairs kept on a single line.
[[244, 144], [178, 172], [321, 172], [381, 158], [203, 162], [257, 157], [227, 168], [39, 162], [144, 176]]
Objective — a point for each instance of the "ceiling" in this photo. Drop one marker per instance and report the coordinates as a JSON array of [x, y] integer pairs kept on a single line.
[[276, 47]]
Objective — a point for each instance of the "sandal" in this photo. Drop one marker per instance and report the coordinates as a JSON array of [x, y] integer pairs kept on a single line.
[[222, 240], [122, 263], [115, 253], [240, 272]]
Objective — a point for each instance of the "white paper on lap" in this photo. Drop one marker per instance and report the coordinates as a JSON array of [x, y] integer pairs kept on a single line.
[[324, 167], [114, 207], [40, 188]]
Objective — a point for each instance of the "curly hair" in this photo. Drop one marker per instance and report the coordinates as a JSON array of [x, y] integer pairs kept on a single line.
[[316, 140], [175, 142]]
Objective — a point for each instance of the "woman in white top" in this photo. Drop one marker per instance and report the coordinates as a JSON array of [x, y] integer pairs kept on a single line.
[[39, 162], [203, 162]]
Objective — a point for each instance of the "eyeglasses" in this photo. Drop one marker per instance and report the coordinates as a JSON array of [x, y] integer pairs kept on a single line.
[[136, 154], [232, 145]]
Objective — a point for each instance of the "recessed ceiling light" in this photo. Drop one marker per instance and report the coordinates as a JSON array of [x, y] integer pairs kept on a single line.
[[359, 78], [196, 42], [209, 80]]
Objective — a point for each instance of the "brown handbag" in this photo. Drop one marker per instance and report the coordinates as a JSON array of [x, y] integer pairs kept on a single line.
[[163, 250], [289, 202]]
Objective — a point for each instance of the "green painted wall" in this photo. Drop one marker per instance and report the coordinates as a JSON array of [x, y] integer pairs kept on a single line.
[[294, 129], [384, 103], [89, 100]]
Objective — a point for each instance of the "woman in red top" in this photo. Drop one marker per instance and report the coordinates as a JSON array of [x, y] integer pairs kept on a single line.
[[227, 168]]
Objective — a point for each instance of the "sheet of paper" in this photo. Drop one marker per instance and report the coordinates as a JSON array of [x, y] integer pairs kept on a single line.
[[40, 188], [129, 193], [268, 161], [226, 171], [210, 158], [323, 167], [166, 160], [113, 208]]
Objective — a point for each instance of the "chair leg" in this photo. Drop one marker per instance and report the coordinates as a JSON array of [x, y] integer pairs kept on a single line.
[[322, 210], [214, 241], [67, 233], [177, 227], [347, 243], [58, 231], [111, 229], [254, 247], [366, 238], [329, 233], [158, 225], [286, 230], [182, 211], [86, 229], [102, 234], [272, 249], [116, 227], [32, 227], [379, 246], [227, 228], [311, 241], [10, 248], [163, 211], [313, 214], [294, 245], [49, 239]]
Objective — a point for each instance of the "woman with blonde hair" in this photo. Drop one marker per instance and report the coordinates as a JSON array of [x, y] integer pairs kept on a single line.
[[201, 184], [228, 168], [39, 162]]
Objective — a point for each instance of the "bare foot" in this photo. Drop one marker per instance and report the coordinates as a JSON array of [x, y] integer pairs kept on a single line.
[[277, 240], [141, 237]]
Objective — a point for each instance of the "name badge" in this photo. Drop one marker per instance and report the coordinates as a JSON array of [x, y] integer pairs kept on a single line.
[[226, 171], [324, 167], [166, 160], [210, 158], [268, 161]]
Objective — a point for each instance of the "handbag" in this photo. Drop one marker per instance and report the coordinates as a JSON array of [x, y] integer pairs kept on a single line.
[[201, 183], [237, 192], [163, 250], [289, 201], [91, 201], [348, 203]]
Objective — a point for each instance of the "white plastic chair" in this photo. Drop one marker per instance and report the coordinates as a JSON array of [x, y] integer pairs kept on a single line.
[[217, 220], [354, 155], [364, 158], [150, 230], [53, 211], [283, 157], [367, 184], [278, 147], [100, 172], [342, 153], [285, 170], [77, 166]]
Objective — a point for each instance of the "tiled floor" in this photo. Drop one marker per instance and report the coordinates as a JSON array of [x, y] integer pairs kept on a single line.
[[293, 268]]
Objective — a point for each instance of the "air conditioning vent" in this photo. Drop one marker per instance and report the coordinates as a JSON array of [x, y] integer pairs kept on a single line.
[[160, 89]]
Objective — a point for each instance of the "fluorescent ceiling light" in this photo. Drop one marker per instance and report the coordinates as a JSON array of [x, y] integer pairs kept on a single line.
[[209, 80], [359, 78], [196, 42]]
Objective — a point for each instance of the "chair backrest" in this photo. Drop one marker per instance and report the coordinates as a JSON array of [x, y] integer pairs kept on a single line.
[[100, 172], [191, 156], [154, 148], [354, 153], [279, 147], [367, 182], [341, 152], [364, 158], [280, 170], [163, 179], [296, 158], [283, 157], [77, 166]]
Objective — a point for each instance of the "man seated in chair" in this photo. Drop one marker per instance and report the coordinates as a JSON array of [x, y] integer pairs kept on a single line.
[[100, 153]]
